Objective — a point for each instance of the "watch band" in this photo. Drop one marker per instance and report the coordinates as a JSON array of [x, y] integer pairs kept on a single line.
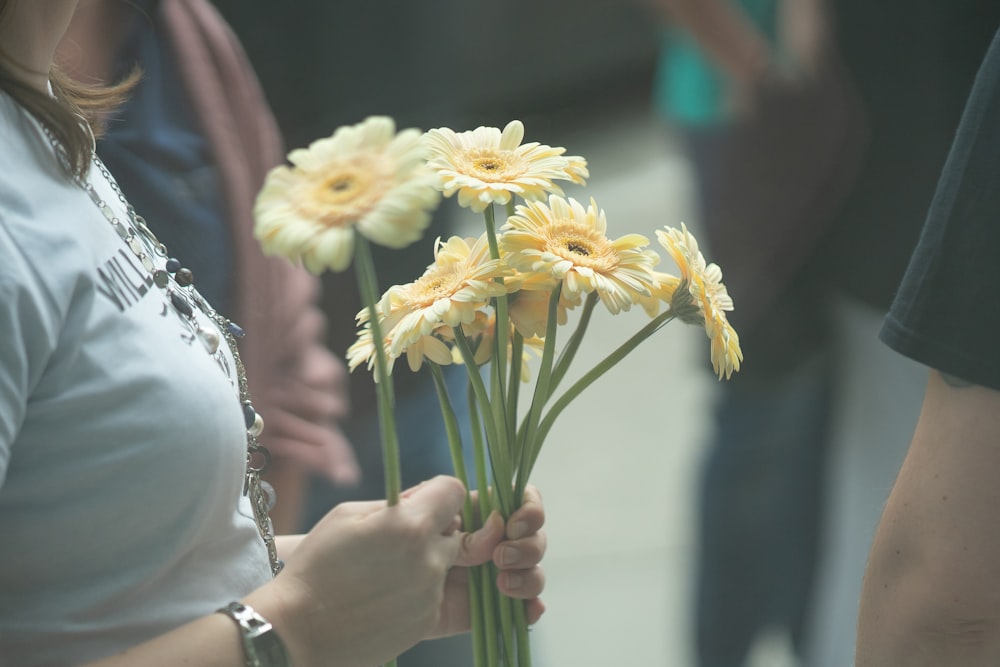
[[261, 644]]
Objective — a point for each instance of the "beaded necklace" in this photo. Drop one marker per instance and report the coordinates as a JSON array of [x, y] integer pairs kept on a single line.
[[177, 283]]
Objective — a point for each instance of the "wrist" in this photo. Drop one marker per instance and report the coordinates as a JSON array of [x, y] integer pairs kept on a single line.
[[288, 611], [262, 645]]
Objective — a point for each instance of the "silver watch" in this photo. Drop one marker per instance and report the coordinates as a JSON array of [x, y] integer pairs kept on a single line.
[[261, 644]]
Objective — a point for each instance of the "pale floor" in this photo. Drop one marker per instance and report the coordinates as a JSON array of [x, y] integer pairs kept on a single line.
[[619, 470]]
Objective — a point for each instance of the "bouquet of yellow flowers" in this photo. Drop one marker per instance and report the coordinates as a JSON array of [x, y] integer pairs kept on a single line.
[[489, 302]]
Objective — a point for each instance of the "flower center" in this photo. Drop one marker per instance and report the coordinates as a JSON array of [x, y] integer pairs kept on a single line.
[[436, 285], [583, 246], [343, 193], [578, 248], [487, 164], [343, 186], [494, 166]]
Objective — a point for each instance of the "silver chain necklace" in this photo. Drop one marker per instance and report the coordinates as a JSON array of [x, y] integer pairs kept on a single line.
[[184, 299]]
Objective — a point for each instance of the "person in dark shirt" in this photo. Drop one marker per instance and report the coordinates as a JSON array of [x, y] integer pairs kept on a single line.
[[931, 594]]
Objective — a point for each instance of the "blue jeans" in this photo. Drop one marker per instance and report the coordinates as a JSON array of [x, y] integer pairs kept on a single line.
[[760, 509]]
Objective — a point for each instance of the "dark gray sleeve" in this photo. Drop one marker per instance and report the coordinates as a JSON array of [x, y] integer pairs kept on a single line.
[[947, 311]]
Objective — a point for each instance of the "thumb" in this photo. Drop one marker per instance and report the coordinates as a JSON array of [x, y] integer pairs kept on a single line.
[[477, 548], [438, 500]]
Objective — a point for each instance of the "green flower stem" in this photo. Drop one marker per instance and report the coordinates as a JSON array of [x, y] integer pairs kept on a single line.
[[491, 232], [498, 369], [493, 602], [479, 578], [523, 638], [506, 619], [483, 578], [591, 376], [368, 284], [514, 387], [479, 458], [540, 396], [454, 434], [573, 344], [468, 519], [497, 448], [477, 614], [499, 408]]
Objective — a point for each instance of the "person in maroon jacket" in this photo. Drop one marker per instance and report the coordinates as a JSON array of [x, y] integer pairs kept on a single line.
[[191, 146]]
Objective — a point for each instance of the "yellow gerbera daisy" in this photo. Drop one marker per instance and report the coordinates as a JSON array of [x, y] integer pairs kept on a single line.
[[459, 282], [486, 165], [432, 347], [569, 242], [364, 176], [707, 293]]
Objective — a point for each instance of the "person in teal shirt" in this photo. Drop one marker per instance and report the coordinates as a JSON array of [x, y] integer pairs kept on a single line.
[[732, 84]]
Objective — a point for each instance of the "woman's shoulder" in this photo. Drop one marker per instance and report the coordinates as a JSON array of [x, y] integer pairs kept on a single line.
[[44, 217], [37, 197]]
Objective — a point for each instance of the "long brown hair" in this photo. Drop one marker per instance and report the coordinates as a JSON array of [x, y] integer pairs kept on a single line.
[[72, 113]]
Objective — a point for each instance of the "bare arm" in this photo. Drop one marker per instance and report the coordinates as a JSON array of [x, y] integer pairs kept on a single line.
[[368, 582], [212, 641], [931, 594]]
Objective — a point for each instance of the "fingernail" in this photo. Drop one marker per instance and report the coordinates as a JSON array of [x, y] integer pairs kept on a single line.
[[509, 555], [514, 580], [517, 530]]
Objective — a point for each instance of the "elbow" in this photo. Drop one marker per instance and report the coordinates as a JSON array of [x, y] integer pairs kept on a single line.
[[916, 614]]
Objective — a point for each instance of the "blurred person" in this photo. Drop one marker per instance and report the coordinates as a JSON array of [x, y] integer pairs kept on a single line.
[[126, 437], [930, 593], [192, 143], [913, 88], [773, 136], [815, 146]]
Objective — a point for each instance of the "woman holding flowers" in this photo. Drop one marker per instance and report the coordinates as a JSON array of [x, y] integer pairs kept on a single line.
[[131, 505]]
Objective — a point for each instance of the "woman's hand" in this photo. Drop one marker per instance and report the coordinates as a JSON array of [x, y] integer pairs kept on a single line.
[[369, 581], [517, 555]]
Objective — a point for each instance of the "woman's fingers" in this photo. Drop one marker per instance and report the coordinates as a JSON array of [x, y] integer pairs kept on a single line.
[[437, 500], [522, 584], [526, 541], [478, 547], [520, 554], [529, 518], [534, 610]]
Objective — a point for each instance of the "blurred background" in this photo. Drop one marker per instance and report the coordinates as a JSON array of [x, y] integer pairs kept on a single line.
[[692, 522]]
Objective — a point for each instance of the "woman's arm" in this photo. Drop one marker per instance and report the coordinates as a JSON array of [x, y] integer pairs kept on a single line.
[[368, 582]]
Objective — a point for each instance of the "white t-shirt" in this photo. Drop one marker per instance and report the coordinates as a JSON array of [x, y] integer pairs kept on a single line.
[[122, 441]]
